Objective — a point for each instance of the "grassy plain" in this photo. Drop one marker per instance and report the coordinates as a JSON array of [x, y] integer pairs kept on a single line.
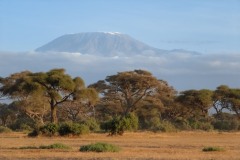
[[135, 146]]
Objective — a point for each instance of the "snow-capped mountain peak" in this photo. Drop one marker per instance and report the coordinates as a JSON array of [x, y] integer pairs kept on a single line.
[[99, 43]]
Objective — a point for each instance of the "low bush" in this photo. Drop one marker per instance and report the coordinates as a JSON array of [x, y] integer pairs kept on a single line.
[[23, 124], [118, 125], [55, 146], [49, 129], [29, 147], [52, 146], [226, 125], [63, 130], [34, 133], [166, 126], [5, 129], [153, 123], [182, 124], [92, 124], [201, 125], [73, 129], [99, 147], [211, 149], [192, 124]]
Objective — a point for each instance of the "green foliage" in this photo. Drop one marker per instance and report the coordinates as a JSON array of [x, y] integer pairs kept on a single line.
[[137, 91], [92, 124], [118, 125], [211, 149], [126, 90], [73, 129], [100, 147], [29, 147], [55, 146], [227, 125], [49, 129], [23, 124], [165, 126], [154, 123], [52, 146], [5, 129], [197, 102], [226, 122], [36, 132], [182, 124], [130, 122], [192, 124], [64, 129], [201, 125]]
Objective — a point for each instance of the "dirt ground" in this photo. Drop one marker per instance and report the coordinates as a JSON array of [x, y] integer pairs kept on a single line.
[[134, 146]]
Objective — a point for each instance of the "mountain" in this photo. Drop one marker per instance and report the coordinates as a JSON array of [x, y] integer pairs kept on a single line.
[[100, 43]]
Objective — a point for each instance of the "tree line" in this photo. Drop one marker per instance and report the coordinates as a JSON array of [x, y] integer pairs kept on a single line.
[[114, 103]]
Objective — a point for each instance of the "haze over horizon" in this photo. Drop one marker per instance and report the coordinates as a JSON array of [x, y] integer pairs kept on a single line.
[[93, 56], [210, 27]]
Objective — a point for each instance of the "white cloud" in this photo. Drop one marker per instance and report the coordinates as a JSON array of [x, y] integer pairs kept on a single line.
[[183, 71]]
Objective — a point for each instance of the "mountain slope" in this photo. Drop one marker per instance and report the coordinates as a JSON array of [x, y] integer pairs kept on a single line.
[[100, 43]]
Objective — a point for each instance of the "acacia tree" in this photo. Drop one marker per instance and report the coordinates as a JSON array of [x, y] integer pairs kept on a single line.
[[35, 107], [226, 98], [82, 104], [26, 94], [234, 98], [5, 113], [221, 99], [58, 87], [197, 102], [126, 90], [54, 86]]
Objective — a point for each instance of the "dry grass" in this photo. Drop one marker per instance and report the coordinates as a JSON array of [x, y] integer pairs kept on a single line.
[[145, 145]]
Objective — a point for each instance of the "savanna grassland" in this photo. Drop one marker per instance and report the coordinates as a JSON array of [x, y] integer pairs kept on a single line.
[[139, 145]]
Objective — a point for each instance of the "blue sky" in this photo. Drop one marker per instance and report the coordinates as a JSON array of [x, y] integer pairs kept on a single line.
[[206, 26], [211, 27]]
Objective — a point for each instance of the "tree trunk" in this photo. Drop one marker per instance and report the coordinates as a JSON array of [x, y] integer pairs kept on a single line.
[[40, 120], [4, 121], [54, 118]]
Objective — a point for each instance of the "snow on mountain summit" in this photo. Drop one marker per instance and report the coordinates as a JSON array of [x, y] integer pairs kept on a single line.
[[105, 44], [113, 33], [99, 43]]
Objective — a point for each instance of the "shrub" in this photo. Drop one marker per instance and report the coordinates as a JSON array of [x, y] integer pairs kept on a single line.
[[154, 123], [166, 126], [182, 124], [193, 124], [23, 124], [120, 124], [92, 124], [99, 147], [49, 129], [211, 149], [201, 125], [34, 133], [73, 129], [130, 122], [5, 129], [55, 146], [226, 125], [52, 146], [28, 147]]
